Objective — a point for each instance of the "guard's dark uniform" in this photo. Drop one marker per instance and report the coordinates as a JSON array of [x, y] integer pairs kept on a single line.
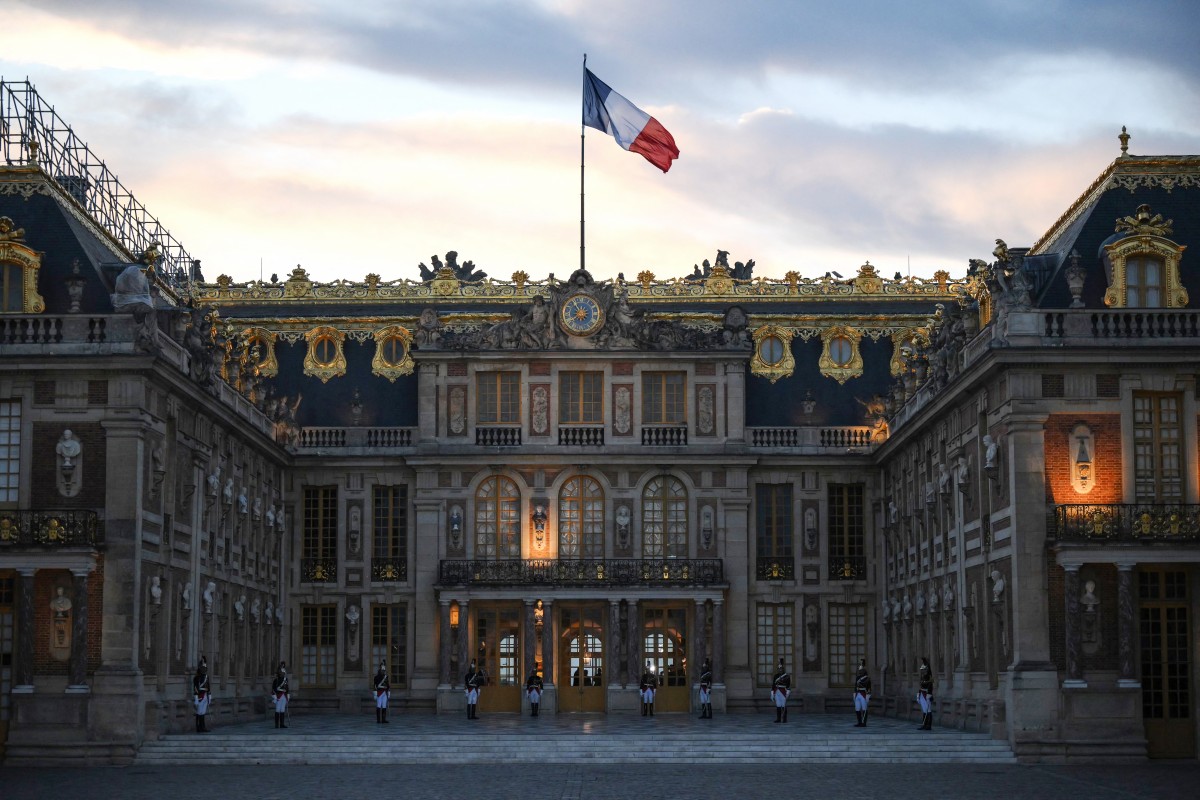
[[471, 686], [383, 693], [706, 680], [649, 686], [533, 688], [862, 694], [925, 695], [280, 694], [201, 696], [781, 687]]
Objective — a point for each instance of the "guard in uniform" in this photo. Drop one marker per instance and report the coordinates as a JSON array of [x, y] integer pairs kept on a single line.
[[533, 688], [280, 693], [781, 687], [649, 686], [925, 695], [862, 693], [471, 685], [383, 693], [201, 696], [706, 690]]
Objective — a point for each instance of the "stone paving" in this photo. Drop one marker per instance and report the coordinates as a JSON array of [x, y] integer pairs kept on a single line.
[[1169, 781]]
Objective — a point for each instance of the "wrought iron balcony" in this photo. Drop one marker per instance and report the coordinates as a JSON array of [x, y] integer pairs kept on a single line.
[[776, 569], [55, 528], [847, 568], [590, 572], [1136, 522], [318, 570], [389, 570]]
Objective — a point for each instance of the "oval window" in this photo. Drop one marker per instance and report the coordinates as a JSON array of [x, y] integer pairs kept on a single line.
[[392, 350], [841, 350], [324, 350], [770, 350]]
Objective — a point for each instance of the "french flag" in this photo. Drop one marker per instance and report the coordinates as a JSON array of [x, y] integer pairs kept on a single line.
[[634, 129]]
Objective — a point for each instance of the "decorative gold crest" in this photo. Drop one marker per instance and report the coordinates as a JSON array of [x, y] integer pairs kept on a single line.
[[392, 358], [325, 358], [772, 353], [840, 356], [28, 262]]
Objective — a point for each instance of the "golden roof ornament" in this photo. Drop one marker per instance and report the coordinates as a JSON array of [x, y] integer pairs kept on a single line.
[[9, 233], [1124, 137], [1143, 224]]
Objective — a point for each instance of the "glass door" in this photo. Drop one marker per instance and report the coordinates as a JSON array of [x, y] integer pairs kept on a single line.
[[497, 653], [1163, 623], [664, 646], [581, 659]]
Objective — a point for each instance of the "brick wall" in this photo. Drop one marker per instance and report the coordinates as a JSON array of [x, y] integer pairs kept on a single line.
[[45, 581], [1106, 459]]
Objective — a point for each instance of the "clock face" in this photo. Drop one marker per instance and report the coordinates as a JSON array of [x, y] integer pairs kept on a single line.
[[581, 315]]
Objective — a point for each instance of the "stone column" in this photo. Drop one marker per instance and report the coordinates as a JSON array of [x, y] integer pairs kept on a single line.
[[444, 640], [1071, 627], [427, 402], [633, 658], [1126, 677], [1024, 460], [24, 662], [77, 683], [699, 639], [614, 642], [529, 639], [423, 554], [718, 656], [547, 642], [735, 402], [464, 640]]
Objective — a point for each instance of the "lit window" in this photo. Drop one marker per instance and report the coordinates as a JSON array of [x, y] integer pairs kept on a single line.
[[581, 519], [497, 519], [664, 519], [1157, 436]]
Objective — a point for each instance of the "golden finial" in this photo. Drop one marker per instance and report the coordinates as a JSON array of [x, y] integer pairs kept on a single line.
[[1124, 137]]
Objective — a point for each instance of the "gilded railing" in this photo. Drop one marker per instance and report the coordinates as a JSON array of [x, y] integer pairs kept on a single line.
[[318, 570], [775, 569], [1127, 522], [56, 528], [389, 570], [590, 572], [847, 568]]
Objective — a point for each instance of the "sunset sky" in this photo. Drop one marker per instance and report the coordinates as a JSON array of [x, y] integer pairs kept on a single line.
[[364, 136]]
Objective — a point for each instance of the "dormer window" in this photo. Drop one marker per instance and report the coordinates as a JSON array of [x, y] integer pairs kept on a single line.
[[1143, 264], [12, 284]]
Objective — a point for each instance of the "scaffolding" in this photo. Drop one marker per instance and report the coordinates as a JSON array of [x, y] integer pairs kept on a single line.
[[25, 119]]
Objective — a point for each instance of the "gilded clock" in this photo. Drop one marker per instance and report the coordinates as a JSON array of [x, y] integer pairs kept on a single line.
[[581, 315]]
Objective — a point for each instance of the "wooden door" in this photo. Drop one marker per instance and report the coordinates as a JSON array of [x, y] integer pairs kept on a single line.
[[497, 652], [1164, 628], [581, 662], [664, 647]]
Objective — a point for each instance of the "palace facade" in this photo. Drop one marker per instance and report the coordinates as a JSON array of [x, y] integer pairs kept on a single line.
[[583, 477]]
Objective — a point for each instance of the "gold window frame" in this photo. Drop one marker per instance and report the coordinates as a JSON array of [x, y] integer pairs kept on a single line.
[[29, 262], [384, 367], [333, 369]]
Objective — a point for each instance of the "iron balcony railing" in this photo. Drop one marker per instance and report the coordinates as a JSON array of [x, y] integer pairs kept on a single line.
[[847, 568], [776, 569], [589, 572], [318, 570], [54, 528], [389, 570], [1133, 522]]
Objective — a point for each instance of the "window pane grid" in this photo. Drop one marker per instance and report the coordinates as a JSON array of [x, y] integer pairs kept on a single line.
[[847, 639], [664, 519], [774, 505], [847, 530], [320, 522], [579, 397], [498, 398], [497, 519], [1158, 462], [391, 521], [318, 645], [775, 632], [10, 450], [663, 398], [389, 640]]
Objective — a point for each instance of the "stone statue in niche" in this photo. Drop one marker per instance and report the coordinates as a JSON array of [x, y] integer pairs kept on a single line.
[[896, 609], [354, 529], [934, 599], [810, 529], [69, 451], [270, 516], [279, 518], [239, 608], [258, 511], [893, 512], [60, 625], [255, 610], [885, 609], [270, 615], [948, 596], [243, 502], [908, 606], [155, 590], [962, 475], [706, 527], [943, 480], [997, 586], [930, 496], [812, 633], [209, 596], [456, 528], [185, 597], [1089, 600], [920, 602], [227, 492], [624, 517], [991, 452], [214, 482]]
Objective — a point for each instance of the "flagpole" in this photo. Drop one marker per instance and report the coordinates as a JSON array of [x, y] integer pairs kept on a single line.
[[582, 128]]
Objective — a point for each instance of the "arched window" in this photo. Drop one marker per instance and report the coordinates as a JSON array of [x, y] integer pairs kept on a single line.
[[664, 519], [497, 519], [581, 519]]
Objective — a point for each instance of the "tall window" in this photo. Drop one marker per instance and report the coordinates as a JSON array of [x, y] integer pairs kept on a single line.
[[1143, 282], [10, 450], [847, 641], [389, 641], [1158, 468], [847, 532], [497, 519], [773, 528], [663, 398], [319, 546], [664, 519], [579, 397], [318, 645], [498, 398], [12, 288], [775, 640], [581, 519], [390, 533]]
